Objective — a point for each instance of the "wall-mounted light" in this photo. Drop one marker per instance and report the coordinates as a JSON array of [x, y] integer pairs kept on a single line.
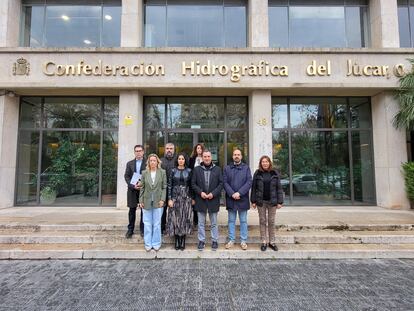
[[65, 17]]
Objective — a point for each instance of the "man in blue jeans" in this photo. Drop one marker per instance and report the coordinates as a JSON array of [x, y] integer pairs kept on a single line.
[[237, 182], [207, 183]]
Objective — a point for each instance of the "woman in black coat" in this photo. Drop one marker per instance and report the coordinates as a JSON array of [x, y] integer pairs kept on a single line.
[[267, 197]]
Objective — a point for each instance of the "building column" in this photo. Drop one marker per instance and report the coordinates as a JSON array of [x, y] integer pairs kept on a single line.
[[384, 24], [258, 23], [129, 134], [260, 126], [10, 12], [390, 151], [9, 120], [132, 23]]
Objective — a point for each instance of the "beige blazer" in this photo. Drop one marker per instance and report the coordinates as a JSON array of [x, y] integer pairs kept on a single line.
[[151, 194]]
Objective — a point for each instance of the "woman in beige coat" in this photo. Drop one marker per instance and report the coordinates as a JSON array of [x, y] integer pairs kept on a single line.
[[151, 200]]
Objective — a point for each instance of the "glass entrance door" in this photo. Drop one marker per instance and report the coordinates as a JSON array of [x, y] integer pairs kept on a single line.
[[220, 123], [215, 143]]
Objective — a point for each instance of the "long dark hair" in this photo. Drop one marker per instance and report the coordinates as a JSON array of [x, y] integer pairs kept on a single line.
[[185, 158], [194, 154], [260, 164]]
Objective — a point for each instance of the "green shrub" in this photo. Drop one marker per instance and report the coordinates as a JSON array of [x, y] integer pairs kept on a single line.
[[408, 169]]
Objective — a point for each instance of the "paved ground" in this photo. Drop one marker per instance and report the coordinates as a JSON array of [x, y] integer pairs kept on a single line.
[[207, 285]]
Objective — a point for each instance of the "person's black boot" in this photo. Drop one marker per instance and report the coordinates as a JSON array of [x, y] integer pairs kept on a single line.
[[177, 242], [182, 244]]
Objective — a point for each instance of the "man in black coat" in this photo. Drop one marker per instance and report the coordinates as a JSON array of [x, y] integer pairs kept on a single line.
[[136, 165], [167, 163], [207, 183]]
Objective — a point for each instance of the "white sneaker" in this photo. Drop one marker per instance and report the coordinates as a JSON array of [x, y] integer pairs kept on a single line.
[[229, 244]]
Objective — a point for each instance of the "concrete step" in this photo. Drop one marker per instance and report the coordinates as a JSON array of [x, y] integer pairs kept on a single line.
[[22, 227], [282, 237], [131, 251]]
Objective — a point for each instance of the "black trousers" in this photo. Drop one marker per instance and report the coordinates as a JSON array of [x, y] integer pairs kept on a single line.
[[164, 218], [131, 217]]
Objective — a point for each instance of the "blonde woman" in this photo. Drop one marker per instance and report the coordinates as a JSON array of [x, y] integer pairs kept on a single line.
[[151, 200]]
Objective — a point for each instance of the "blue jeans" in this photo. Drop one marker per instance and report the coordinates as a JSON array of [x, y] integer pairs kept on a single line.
[[243, 225], [213, 226], [152, 228]]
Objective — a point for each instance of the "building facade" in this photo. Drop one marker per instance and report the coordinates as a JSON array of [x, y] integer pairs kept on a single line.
[[309, 83]]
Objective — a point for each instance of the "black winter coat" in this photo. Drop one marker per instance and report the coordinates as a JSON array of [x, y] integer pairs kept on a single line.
[[132, 194], [198, 185], [276, 191], [175, 181]]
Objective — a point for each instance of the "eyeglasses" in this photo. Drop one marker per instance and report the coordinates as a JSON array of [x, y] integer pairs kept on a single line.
[[139, 150]]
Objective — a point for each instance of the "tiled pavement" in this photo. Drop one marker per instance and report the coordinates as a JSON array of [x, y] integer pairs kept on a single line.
[[183, 284]]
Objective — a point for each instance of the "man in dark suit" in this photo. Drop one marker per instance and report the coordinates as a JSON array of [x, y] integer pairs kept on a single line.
[[136, 165], [207, 183], [167, 163]]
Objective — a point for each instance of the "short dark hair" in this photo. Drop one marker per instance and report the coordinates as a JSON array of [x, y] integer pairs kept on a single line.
[[139, 146], [185, 158]]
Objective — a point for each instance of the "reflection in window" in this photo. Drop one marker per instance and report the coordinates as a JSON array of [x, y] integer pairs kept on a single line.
[[328, 156], [62, 24], [78, 148], [191, 23], [195, 112], [320, 167], [318, 112], [333, 24]]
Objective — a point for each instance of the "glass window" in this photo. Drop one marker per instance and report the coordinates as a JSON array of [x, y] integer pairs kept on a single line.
[[318, 112], [183, 142], [27, 167], [363, 167], [154, 142], [68, 23], [191, 23], [360, 112], [190, 112], [279, 26], [316, 143], [155, 113], [70, 166], [279, 112], [30, 112], [236, 112], [334, 23], [111, 112], [78, 149], [404, 26], [109, 167], [320, 167], [72, 112], [155, 25]]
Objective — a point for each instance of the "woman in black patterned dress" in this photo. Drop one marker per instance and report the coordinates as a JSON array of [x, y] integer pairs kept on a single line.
[[180, 211]]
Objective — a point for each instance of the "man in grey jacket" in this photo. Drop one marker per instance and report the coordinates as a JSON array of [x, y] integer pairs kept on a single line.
[[207, 183]]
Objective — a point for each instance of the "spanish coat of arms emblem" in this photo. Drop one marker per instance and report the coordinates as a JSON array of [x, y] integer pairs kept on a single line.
[[21, 67]]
